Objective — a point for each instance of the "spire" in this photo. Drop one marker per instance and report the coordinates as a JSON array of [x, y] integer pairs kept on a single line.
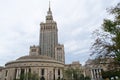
[[49, 11], [49, 6], [49, 14]]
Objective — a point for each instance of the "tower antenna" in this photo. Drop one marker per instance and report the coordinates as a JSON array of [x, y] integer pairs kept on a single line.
[[49, 5]]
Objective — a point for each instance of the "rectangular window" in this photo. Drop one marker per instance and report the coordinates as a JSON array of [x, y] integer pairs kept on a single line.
[[33, 50], [54, 74], [22, 71], [42, 71], [29, 70], [58, 71], [6, 72]]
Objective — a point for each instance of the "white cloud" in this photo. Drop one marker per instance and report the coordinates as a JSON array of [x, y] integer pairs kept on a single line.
[[20, 19]]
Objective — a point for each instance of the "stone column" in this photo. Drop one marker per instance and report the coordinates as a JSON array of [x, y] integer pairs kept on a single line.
[[61, 75], [45, 73], [100, 73], [18, 73], [97, 71], [39, 72], [27, 71], [56, 73], [92, 73]]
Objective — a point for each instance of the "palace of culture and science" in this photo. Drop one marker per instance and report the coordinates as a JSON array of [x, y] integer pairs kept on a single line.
[[46, 60]]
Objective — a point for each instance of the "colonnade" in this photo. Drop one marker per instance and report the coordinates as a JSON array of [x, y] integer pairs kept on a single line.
[[96, 73], [49, 73], [19, 71]]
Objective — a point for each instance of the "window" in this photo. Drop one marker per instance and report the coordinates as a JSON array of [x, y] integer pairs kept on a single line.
[[58, 71], [29, 70], [42, 71], [54, 73], [22, 71], [6, 72], [59, 48], [33, 50]]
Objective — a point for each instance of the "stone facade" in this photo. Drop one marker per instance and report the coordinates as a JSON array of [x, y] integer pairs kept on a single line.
[[94, 68], [34, 65], [59, 53], [46, 61], [34, 50], [48, 36], [1, 68]]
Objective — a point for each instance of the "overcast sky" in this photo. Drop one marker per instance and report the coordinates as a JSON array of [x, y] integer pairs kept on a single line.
[[76, 20]]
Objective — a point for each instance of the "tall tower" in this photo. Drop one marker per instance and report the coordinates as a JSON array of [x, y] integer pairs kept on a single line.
[[48, 35]]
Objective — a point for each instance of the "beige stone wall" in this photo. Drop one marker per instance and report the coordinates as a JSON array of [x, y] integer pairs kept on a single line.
[[34, 50], [0, 74], [35, 64], [50, 68], [92, 69], [59, 53]]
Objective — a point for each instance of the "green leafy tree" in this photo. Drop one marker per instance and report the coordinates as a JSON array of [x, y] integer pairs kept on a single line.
[[68, 73], [81, 77], [29, 76], [109, 74], [107, 42], [87, 78], [73, 74]]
